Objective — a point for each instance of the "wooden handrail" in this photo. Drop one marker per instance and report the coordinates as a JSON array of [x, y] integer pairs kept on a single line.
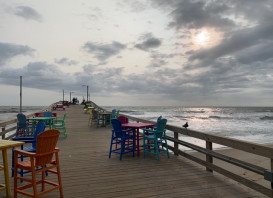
[[210, 139], [9, 125]]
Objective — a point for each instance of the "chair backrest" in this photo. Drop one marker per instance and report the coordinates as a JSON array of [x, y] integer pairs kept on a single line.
[[117, 127], [47, 114], [64, 116], [46, 144], [95, 114], [159, 118], [117, 113], [160, 127], [40, 127], [39, 114], [123, 119], [21, 119]]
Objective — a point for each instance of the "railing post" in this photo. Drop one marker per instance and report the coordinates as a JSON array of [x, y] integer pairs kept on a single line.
[[209, 158], [175, 143], [3, 135], [271, 168]]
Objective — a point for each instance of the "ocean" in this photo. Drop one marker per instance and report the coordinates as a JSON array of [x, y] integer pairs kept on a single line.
[[10, 112], [253, 124]]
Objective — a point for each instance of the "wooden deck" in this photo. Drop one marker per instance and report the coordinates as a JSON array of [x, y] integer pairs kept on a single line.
[[87, 171]]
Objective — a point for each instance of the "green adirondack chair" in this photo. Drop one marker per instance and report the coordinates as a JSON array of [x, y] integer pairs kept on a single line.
[[59, 124]]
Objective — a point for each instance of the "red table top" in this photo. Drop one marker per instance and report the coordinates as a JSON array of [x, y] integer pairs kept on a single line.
[[138, 125]]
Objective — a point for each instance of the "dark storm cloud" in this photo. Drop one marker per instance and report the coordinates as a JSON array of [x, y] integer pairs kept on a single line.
[[10, 50], [147, 42], [39, 75], [103, 51], [28, 13], [197, 14], [238, 41], [252, 10], [258, 53], [65, 61]]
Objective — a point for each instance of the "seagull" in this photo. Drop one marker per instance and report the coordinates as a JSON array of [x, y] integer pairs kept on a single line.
[[186, 125]]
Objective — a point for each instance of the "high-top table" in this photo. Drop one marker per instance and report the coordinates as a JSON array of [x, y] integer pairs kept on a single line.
[[48, 120], [136, 126], [4, 145]]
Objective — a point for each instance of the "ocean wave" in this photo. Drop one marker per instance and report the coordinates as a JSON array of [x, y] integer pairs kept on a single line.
[[267, 118], [220, 118], [194, 111], [9, 111]]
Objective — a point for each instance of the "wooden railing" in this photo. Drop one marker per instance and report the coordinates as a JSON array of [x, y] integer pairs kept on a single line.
[[10, 126], [210, 139]]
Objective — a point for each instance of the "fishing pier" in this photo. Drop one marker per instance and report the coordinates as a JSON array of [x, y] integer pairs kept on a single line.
[[87, 171]]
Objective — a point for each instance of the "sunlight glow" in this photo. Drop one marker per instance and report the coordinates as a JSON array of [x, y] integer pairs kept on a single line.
[[202, 38]]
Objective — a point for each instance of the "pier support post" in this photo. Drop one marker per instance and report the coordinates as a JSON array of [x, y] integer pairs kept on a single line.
[[271, 167], [176, 144], [3, 134], [209, 158]]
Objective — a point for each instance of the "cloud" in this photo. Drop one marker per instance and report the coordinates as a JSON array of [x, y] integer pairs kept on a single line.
[[104, 51], [148, 41], [197, 14], [239, 40], [159, 59], [10, 50], [258, 53], [66, 61], [39, 75], [28, 13]]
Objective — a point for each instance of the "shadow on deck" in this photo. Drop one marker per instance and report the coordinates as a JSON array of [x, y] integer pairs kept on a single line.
[[87, 171]]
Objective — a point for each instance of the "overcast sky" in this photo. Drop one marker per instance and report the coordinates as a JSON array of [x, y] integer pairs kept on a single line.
[[145, 52]]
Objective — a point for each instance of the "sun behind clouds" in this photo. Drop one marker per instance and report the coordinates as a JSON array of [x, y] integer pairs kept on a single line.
[[202, 38], [205, 38]]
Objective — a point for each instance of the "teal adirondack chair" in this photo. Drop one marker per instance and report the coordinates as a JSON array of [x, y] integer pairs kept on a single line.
[[155, 141], [114, 115], [59, 124]]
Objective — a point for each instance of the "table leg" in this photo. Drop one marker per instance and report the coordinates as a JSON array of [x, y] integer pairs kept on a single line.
[[6, 171], [137, 139]]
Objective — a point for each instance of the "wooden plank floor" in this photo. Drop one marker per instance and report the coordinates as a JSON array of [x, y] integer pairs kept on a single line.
[[87, 171]]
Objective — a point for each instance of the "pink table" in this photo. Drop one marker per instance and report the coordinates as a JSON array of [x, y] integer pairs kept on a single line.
[[136, 126]]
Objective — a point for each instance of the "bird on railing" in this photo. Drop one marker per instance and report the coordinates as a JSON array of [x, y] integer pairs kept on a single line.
[[186, 125]]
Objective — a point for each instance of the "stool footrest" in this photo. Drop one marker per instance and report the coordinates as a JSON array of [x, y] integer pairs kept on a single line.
[[2, 187]]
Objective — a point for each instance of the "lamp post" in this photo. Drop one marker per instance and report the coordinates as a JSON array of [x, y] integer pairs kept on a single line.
[[87, 92], [63, 96], [20, 93], [70, 95]]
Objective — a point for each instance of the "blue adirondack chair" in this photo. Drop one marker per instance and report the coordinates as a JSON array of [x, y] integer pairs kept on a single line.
[[48, 114], [22, 128], [155, 141], [121, 141], [40, 127]]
